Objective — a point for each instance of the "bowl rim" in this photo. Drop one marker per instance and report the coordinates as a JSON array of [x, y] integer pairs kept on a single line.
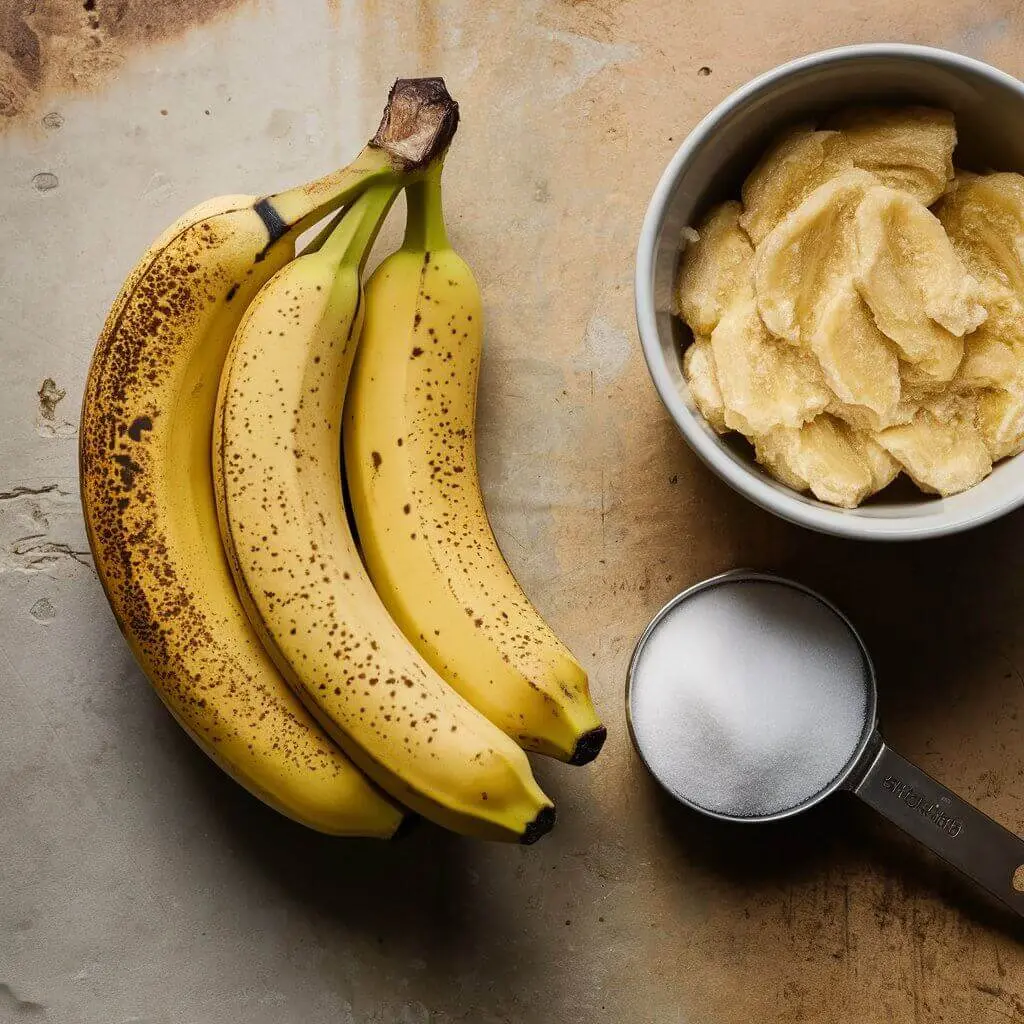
[[793, 508]]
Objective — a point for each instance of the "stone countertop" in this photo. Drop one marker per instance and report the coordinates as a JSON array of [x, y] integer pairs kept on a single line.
[[139, 884]]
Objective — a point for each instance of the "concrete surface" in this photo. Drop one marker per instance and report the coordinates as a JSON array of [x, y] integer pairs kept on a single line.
[[136, 882]]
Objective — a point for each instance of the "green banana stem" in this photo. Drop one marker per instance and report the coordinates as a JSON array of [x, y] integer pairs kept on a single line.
[[301, 207], [317, 243], [424, 225], [349, 244]]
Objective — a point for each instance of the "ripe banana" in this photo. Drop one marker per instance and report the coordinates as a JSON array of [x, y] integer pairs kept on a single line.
[[278, 480], [147, 488], [410, 458]]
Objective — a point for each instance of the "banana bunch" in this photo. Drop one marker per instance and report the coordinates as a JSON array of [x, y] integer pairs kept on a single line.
[[340, 693]]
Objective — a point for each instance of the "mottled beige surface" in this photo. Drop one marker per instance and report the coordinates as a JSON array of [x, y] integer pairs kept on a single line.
[[136, 882]]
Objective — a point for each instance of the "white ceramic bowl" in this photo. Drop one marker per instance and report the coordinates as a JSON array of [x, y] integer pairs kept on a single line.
[[709, 167]]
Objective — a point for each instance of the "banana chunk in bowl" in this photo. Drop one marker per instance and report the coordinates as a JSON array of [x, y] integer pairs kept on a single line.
[[859, 314]]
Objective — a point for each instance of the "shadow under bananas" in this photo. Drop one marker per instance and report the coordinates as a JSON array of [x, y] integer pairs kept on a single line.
[[408, 895]]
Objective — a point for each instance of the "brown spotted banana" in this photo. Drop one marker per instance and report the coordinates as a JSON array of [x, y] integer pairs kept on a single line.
[[147, 485], [410, 457], [279, 490]]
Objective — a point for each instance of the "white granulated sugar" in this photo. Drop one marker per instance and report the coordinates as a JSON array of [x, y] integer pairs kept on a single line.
[[749, 698]]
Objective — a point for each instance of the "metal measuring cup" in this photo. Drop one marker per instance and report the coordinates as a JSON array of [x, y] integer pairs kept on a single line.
[[962, 835]]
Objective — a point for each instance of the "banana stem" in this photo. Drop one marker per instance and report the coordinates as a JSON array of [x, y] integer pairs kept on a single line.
[[317, 243], [301, 207], [424, 225], [351, 241], [419, 121]]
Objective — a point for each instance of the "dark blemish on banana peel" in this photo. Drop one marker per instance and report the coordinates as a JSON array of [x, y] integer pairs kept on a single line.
[[130, 469], [139, 424]]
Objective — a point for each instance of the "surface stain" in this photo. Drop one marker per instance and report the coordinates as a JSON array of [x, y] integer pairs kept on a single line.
[[50, 394], [41, 531], [21, 491], [9, 1000], [427, 41], [43, 610], [1013, 1002], [48, 424], [605, 351], [281, 124], [18, 39], [30, 554], [977, 38], [52, 46], [582, 58], [45, 181], [596, 18]]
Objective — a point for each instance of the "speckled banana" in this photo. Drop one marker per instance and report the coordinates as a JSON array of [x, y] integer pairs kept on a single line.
[[147, 488], [410, 457], [278, 477]]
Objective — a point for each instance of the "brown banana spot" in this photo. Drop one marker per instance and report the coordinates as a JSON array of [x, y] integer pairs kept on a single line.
[[139, 424]]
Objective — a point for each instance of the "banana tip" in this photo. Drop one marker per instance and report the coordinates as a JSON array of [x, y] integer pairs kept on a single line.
[[540, 826], [588, 746]]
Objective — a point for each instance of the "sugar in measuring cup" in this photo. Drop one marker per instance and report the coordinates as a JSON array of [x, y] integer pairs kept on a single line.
[[751, 698]]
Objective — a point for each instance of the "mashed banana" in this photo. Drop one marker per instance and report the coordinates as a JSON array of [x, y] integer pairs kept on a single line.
[[861, 312]]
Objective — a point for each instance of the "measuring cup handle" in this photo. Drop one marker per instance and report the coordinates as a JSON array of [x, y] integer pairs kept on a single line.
[[961, 834]]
